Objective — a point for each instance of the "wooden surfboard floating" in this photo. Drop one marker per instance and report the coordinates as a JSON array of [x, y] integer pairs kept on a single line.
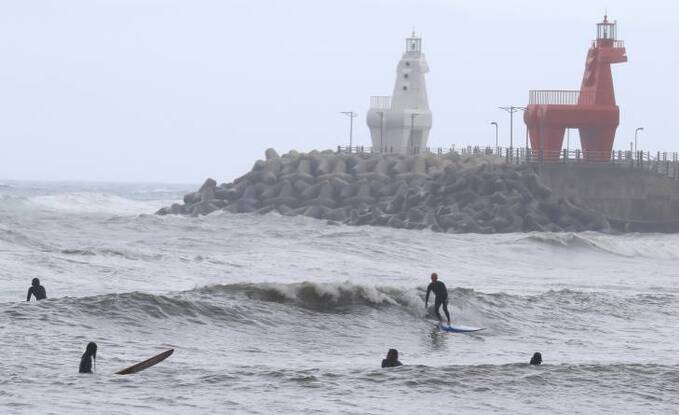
[[146, 363]]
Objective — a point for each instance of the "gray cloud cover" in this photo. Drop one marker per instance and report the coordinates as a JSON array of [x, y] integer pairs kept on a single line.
[[174, 91]]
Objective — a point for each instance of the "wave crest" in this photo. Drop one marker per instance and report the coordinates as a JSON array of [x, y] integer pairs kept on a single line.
[[633, 245], [78, 202], [257, 302], [320, 296]]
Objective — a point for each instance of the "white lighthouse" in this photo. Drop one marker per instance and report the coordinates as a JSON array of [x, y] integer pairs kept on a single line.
[[401, 123]]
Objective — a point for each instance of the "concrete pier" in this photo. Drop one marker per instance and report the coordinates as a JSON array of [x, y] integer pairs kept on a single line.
[[634, 199]]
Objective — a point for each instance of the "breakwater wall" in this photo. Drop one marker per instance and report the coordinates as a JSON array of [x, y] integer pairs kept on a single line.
[[446, 193], [633, 199]]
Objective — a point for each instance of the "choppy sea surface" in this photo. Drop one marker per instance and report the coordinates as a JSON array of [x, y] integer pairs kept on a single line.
[[271, 314]]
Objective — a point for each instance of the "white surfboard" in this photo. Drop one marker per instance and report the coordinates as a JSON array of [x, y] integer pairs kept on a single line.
[[457, 329]]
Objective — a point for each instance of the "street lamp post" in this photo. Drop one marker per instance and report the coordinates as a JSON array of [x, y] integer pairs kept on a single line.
[[511, 110], [497, 143], [636, 133], [351, 116]]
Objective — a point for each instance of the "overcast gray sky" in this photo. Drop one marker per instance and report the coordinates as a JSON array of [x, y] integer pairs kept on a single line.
[[178, 90]]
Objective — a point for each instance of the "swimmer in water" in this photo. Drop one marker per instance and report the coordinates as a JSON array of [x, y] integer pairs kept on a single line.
[[89, 358], [536, 359], [37, 290], [392, 359]]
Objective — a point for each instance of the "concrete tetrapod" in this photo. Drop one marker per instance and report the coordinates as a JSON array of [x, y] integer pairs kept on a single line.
[[442, 193]]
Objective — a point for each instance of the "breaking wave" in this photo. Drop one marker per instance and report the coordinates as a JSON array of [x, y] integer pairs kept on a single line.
[[79, 202], [320, 296], [645, 245], [246, 303]]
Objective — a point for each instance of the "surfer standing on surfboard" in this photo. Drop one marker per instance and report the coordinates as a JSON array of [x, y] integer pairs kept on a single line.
[[441, 293]]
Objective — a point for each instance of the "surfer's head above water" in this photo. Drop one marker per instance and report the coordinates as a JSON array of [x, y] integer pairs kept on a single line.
[[434, 277], [91, 350], [536, 359], [392, 359], [35, 282]]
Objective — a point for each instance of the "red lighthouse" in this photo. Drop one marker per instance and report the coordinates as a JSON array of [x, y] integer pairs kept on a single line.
[[592, 109]]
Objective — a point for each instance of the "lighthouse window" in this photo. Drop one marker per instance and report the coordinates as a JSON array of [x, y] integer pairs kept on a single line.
[[407, 63], [405, 88], [405, 76]]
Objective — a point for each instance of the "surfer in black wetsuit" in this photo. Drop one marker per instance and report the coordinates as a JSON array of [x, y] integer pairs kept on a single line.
[[37, 290], [441, 293], [392, 359], [536, 359], [89, 357]]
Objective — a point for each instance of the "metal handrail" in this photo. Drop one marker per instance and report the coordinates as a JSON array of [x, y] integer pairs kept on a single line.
[[659, 162], [571, 154], [616, 44], [382, 102], [560, 97]]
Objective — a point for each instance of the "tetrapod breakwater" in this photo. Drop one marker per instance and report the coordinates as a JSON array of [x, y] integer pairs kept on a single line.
[[450, 192]]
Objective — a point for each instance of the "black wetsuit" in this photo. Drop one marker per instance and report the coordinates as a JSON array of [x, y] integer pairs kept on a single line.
[[86, 364], [391, 363], [39, 293], [441, 293]]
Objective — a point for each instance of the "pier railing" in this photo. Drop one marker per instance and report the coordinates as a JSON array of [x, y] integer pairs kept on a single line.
[[664, 163]]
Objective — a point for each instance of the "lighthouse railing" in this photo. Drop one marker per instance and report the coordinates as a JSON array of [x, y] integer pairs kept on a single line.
[[560, 97], [381, 102], [616, 44]]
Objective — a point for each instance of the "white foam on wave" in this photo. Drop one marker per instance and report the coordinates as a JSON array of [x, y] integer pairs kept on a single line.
[[630, 245], [93, 202]]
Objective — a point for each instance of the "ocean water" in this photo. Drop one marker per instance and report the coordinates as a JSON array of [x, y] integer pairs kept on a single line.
[[271, 314]]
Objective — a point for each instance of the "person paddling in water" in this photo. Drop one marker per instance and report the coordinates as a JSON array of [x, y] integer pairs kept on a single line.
[[37, 290], [441, 294], [89, 357], [392, 359]]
